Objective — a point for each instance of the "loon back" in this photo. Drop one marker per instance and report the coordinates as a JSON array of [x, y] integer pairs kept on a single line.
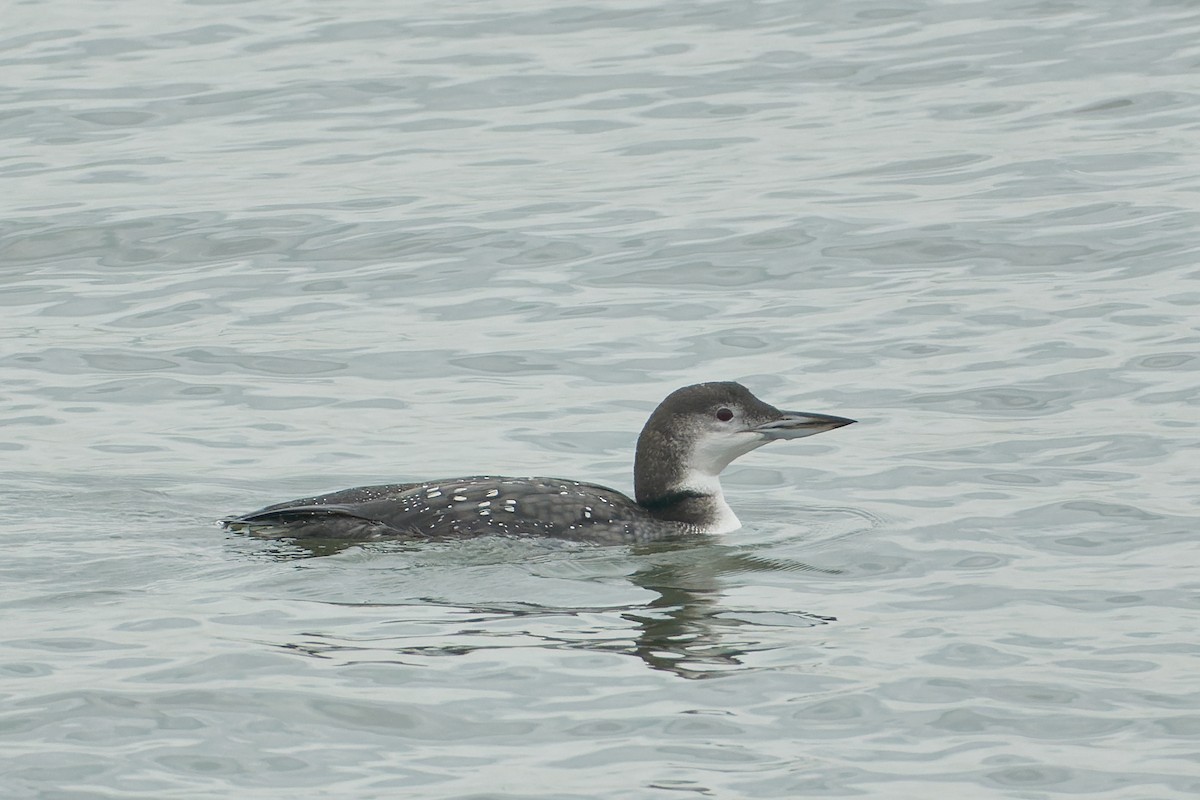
[[474, 506], [687, 441]]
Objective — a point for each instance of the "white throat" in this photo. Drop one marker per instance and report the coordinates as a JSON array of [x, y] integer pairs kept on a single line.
[[703, 482]]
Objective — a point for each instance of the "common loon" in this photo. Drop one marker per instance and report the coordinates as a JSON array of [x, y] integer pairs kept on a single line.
[[692, 435]]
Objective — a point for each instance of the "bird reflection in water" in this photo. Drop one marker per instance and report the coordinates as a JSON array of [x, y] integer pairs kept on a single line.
[[684, 630]]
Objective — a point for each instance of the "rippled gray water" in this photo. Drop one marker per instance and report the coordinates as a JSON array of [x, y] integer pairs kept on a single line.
[[254, 251]]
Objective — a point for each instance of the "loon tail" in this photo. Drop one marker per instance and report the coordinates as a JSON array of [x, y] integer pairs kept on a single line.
[[324, 521]]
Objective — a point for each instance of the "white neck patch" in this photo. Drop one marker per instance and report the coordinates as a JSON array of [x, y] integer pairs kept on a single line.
[[705, 462], [724, 520]]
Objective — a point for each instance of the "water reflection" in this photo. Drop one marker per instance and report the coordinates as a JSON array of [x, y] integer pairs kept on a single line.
[[686, 629]]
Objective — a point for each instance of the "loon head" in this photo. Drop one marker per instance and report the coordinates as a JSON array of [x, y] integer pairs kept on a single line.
[[694, 434]]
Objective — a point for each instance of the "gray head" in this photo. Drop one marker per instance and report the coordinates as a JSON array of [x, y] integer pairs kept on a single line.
[[698, 430]]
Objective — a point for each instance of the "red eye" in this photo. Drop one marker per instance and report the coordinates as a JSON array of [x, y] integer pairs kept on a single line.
[[724, 414]]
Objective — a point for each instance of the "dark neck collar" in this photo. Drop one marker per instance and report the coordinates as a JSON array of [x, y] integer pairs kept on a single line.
[[666, 501], [684, 506]]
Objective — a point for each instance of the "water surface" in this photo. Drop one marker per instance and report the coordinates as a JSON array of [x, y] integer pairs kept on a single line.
[[250, 252]]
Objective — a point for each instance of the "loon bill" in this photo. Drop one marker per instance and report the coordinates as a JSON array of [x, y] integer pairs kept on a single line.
[[687, 441]]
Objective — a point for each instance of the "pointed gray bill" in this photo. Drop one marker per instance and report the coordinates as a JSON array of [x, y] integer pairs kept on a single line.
[[798, 424]]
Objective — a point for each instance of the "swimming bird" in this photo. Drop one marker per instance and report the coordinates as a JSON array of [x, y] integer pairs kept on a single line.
[[688, 440]]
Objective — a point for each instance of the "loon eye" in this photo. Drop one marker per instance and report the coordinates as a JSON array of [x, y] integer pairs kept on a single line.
[[724, 414]]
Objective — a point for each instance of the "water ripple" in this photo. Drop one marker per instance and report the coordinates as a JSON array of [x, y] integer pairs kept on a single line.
[[254, 253]]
